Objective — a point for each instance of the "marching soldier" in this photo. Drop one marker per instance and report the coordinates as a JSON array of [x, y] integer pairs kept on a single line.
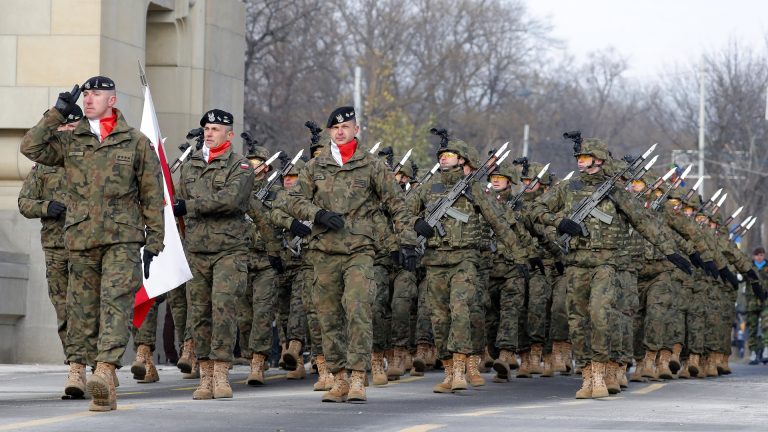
[[114, 207]]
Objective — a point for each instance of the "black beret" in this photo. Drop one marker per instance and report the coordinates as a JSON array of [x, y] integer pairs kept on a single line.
[[99, 83], [75, 115], [217, 116], [341, 115]]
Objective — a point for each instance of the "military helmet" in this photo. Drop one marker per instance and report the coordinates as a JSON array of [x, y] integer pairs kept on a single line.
[[297, 167], [471, 156], [258, 152], [507, 170], [594, 147], [676, 193], [534, 168], [453, 145], [407, 169], [694, 201]]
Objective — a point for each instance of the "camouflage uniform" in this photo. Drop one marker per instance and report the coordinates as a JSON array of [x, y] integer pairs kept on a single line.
[[344, 283], [177, 299], [757, 313], [43, 185], [114, 206]]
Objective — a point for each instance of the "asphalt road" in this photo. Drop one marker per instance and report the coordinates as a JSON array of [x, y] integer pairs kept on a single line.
[[30, 400]]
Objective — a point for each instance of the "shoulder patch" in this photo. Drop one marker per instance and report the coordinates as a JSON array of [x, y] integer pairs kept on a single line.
[[244, 166]]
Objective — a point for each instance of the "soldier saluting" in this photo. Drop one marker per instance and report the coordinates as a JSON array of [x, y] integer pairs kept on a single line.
[[340, 190], [114, 207]]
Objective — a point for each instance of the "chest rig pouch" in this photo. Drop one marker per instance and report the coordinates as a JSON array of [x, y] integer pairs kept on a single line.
[[602, 230], [461, 227]]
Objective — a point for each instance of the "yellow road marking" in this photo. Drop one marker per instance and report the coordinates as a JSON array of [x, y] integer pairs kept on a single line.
[[131, 393], [423, 427], [650, 388], [578, 402], [406, 380], [533, 406], [269, 378], [185, 388], [48, 421], [479, 413]]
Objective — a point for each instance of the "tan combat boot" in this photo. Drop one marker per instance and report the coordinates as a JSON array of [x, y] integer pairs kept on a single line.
[[622, 376], [662, 365], [420, 359], [585, 392], [256, 377], [324, 375], [567, 352], [693, 364], [292, 356], [221, 387], [357, 387], [473, 371], [525, 365], [75, 385], [396, 368], [599, 389], [684, 373], [187, 360], [205, 388], [549, 367], [649, 365], [407, 361], [674, 359], [139, 366], [558, 359], [377, 369], [486, 362], [150, 374], [298, 373], [535, 358], [610, 378], [459, 366], [101, 386], [637, 375], [726, 368], [711, 362], [501, 366], [432, 358], [339, 390], [445, 385]]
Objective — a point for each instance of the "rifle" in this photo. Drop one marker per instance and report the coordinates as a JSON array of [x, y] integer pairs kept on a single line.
[[637, 175], [263, 193], [733, 216], [315, 130], [695, 187], [402, 162], [659, 202], [438, 209], [588, 206], [426, 177], [511, 203], [568, 176], [186, 149], [711, 200]]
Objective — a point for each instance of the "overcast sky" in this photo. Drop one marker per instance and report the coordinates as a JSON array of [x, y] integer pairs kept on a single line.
[[654, 34]]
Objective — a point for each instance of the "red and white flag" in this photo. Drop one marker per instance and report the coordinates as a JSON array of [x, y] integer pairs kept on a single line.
[[170, 268]]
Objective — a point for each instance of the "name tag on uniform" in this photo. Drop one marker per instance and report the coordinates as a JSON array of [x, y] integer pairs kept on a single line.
[[124, 158], [361, 183], [75, 154]]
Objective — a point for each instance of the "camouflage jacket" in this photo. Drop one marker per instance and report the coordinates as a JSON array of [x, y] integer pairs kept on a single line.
[[114, 190], [265, 237], [690, 231], [603, 240], [217, 197], [357, 190], [43, 185], [466, 236], [519, 225]]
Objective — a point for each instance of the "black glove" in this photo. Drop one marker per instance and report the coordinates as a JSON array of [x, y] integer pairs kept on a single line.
[[752, 275], [408, 258], [67, 101], [422, 228], [276, 264], [299, 229], [728, 276], [696, 260], [147, 259], [536, 263], [711, 268], [568, 226], [56, 209], [179, 208], [395, 256], [329, 219], [522, 269], [680, 262], [560, 267]]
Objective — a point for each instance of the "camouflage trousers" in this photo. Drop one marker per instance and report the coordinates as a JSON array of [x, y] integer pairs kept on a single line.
[[492, 311], [256, 307], [536, 313], [691, 304], [591, 305], [382, 306], [57, 275], [728, 316], [757, 322], [478, 309], [147, 333], [451, 290], [303, 283], [102, 284], [627, 302], [343, 291], [714, 317], [292, 320], [423, 321], [177, 299], [511, 287], [658, 321], [405, 297], [558, 326], [218, 280]]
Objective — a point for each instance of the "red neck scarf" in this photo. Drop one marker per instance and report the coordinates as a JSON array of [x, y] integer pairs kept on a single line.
[[107, 124], [347, 150], [218, 151]]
